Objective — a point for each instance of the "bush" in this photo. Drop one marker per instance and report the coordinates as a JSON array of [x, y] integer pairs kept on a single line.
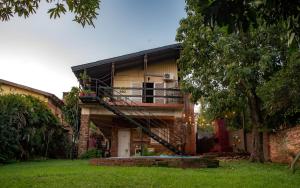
[[28, 129], [93, 153], [147, 152]]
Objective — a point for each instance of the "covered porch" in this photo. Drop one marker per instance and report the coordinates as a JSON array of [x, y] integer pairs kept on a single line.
[[123, 139]]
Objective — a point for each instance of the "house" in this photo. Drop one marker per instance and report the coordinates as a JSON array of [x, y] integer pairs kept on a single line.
[[53, 102], [135, 100]]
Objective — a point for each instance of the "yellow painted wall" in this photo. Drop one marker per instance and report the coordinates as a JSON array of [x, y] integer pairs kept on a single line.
[[8, 89], [125, 78]]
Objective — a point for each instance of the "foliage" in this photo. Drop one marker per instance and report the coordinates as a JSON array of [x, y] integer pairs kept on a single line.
[[27, 127], [79, 173], [242, 15], [202, 119], [71, 109], [147, 152], [94, 130], [84, 76], [72, 112], [227, 68], [93, 153], [85, 12], [280, 95]]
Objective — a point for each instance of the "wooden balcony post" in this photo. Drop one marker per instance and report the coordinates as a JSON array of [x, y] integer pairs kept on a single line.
[[145, 67], [112, 74], [145, 77]]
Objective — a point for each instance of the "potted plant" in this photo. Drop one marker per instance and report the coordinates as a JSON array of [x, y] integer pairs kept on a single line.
[[86, 79], [87, 92]]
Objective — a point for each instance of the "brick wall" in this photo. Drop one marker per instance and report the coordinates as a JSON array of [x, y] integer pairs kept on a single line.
[[242, 142], [237, 140], [279, 147], [84, 134], [284, 144]]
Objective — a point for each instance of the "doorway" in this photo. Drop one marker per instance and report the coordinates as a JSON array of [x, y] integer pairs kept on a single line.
[[148, 92], [123, 143]]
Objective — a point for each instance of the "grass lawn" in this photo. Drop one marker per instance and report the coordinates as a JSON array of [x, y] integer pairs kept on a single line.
[[64, 173]]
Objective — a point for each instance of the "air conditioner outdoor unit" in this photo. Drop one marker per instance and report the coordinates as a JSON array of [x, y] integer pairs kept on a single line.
[[168, 76]]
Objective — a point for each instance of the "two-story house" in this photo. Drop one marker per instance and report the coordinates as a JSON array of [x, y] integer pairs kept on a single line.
[[136, 102]]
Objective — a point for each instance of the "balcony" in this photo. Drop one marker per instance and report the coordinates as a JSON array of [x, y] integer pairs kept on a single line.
[[136, 96]]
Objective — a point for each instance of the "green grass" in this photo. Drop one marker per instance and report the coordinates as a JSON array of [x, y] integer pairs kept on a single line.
[[63, 173]]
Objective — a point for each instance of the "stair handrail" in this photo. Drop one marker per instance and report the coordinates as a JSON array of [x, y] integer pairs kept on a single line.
[[132, 105]]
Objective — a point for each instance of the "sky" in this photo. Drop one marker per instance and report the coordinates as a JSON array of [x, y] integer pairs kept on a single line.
[[38, 51]]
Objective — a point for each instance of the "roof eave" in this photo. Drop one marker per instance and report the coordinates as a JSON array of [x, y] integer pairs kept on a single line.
[[124, 57]]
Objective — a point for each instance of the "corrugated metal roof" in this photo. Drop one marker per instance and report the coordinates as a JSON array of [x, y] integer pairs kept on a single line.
[[126, 57]]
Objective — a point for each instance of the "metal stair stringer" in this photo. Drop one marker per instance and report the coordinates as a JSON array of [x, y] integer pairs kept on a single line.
[[145, 129]]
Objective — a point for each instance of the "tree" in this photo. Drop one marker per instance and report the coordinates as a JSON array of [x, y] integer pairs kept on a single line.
[[72, 114], [85, 11], [27, 127], [280, 95], [241, 15], [202, 116], [227, 68]]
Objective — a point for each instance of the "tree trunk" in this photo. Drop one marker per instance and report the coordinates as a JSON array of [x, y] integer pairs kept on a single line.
[[257, 154]]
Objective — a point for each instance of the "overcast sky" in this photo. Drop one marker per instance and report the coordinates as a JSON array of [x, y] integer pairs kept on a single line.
[[39, 52]]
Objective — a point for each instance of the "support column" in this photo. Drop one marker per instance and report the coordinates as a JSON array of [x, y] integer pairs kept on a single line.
[[84, 134]]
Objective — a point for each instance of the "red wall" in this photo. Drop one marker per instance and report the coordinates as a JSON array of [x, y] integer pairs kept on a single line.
[[284, 144]]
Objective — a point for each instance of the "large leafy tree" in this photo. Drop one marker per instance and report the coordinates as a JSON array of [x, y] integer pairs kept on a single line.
[[241, 15], [72, 113], [280, 95], [85, 11], [228, 68]]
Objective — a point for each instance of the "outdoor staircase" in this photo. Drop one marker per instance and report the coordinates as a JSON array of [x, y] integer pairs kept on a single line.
[[135, 115]]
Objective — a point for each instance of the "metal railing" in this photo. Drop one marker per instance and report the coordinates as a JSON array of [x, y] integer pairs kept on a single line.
[[150, 123], [138, 94]]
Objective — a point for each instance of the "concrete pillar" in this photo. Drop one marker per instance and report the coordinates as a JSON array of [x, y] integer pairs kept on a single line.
[[84, 134]]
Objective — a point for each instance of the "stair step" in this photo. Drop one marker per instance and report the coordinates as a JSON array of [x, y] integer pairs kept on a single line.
[[115, 110]]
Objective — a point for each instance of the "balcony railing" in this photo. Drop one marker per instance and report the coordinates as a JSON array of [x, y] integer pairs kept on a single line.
[[149, 95], [136, 94]]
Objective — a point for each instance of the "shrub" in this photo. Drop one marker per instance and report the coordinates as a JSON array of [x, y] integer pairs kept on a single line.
[[93, 153], [28, 129], [147, 152]]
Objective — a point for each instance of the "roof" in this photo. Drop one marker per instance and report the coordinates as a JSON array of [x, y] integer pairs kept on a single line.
[[51, 96], [168, 51]]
